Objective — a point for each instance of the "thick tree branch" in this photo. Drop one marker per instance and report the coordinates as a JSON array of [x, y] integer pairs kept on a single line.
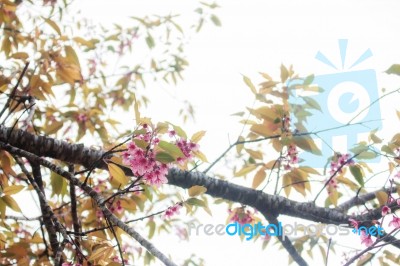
[[275, 204]]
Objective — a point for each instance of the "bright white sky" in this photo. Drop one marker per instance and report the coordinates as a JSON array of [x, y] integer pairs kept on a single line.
[[258, 36]]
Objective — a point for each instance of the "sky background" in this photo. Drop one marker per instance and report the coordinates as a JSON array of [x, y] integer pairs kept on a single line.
[[257, 36]]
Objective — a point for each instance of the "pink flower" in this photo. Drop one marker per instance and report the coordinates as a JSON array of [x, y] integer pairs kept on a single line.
[[172, 133], [366, 239], [172, 210], [354, 223], [131, 146], [240, 216], [81, 118], [397, 174], [385, 210], [395, 222], [141, 157]]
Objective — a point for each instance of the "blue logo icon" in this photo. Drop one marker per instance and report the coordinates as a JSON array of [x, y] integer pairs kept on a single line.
[[345, 104]]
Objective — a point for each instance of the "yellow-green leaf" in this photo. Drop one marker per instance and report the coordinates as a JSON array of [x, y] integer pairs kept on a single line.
[[164, 157], [10, 202], [53, 25], [152, 228], [117, 173], [357, 173], [259, 178], [307, 143], [239, 147], [10, 190], [394, 69], [250, 84], [98, 253], [58, 184], [72, 56], [196, 202], [197, 136], [284, 73], [172, 149], [245, 170], [382, 197], [196, 191]]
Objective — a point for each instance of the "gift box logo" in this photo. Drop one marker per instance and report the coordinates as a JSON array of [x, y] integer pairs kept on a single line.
[[347, 107]]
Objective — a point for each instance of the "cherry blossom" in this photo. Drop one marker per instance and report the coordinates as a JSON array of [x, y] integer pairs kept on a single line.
[[385, 210], [395, 222], [241, 216], [142, 161], [366, 239], [172, 210], [354, 223]]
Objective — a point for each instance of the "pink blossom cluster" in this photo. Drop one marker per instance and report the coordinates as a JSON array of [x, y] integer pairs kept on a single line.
[[337, 167], [117, 208], [395, 222], [366, 239], [143, 163], [286, 124], [172, 210], [241, 216], [187, 148], [291, 157], [342, 160], [82, 118], [118, 260]]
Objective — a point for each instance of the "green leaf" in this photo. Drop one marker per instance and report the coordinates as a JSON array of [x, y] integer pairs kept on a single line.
[[152, 228], [366, 155], [357, 173], [394, 69], [141, 143], [307, 143], [172, 149], [387, 149], [196, 202], [313, 103], [164, 157], [179, 131], [216, 20], [250, 84], [308, 80], [58, 184], [150, 41]]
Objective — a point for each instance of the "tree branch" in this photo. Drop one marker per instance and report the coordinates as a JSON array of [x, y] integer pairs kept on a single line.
[[100, 201]]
